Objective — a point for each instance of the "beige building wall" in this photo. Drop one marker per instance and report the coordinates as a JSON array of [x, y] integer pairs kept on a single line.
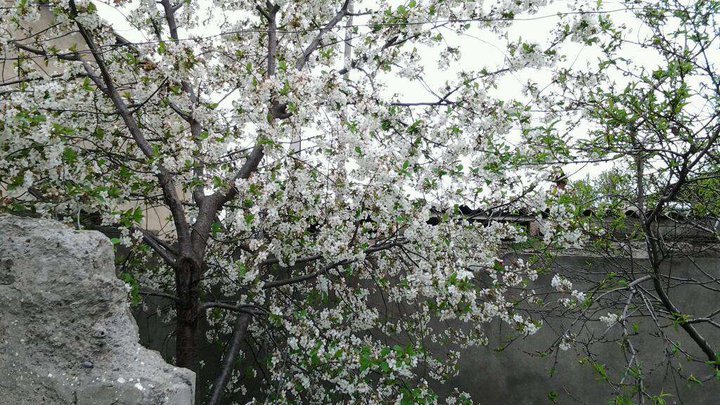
[[156, 218], [26, 37]]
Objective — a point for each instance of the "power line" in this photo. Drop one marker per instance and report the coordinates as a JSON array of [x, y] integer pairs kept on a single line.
[[381, 24], [412, 23]]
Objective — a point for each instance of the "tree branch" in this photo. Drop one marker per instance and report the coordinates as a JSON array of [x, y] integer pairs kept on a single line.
[[257, 154], [229, 358], [315, 43], [166, 181], [62, 56], [305, 277], [195, 126], [159, 246], [158, 294], [236, 308]]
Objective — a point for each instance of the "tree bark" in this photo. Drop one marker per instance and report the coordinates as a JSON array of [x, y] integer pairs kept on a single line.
[[187, 275]]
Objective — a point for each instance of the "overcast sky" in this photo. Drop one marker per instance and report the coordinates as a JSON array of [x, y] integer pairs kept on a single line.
[[478, 48]]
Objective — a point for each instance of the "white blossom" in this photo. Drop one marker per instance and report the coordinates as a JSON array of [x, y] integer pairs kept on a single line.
[[610, 319]]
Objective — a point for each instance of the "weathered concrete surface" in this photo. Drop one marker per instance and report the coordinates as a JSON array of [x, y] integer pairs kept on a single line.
[[518, 375], [66, 332]]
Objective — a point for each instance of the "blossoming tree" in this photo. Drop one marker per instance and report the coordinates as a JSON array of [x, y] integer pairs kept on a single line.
[[312, 212]]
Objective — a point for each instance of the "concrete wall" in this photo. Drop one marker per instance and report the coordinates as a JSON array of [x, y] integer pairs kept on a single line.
[[520, 374]]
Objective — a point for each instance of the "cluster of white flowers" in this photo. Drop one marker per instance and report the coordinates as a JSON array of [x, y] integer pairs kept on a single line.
[[564, 285], [559, 227], [561, 284], [610, 319], [565, 343], [351, 226], [584, 28]]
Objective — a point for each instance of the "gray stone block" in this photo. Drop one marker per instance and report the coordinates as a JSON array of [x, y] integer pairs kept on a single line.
[[66, 332]]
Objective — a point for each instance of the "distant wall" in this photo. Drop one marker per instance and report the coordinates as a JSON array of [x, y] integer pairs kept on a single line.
[[519, 375]]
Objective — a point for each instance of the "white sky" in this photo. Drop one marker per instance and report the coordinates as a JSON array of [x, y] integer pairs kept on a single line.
[[478, 48]]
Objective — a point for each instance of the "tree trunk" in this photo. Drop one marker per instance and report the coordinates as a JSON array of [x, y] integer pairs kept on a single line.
[[187, 277]]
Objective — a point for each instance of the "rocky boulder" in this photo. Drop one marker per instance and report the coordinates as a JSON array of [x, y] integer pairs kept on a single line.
[[66, 332]]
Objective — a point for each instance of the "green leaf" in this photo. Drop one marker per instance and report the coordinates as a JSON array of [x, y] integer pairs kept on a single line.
[[134, 287], [694, 379], [215, 228], [69, 155], [406, 400]]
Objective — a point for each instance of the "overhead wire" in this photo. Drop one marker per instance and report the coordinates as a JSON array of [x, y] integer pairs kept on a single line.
[[199, 38]]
